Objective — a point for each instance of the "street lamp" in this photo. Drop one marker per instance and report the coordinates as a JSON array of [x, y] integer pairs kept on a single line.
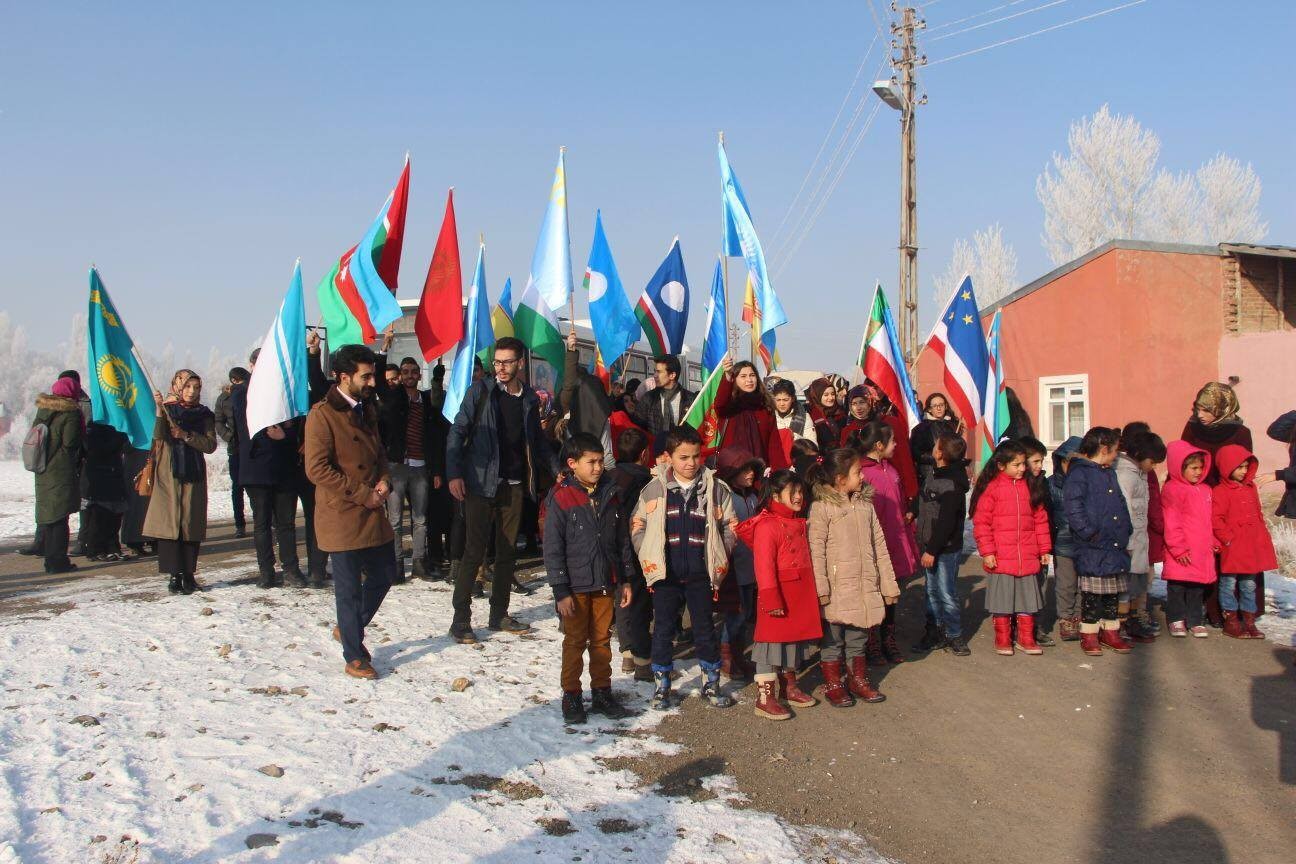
[[890, 93]]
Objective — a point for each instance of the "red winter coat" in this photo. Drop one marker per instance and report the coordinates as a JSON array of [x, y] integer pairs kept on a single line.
[[1007, 527], [746, 422], [785, 577], [902, 459], [1187, 510], [1156, 521], [1240, 530]]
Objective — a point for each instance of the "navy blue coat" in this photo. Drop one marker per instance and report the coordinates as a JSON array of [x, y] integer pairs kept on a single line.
[[262, 461], [1062, 544], [1098, 518], [473, 442]]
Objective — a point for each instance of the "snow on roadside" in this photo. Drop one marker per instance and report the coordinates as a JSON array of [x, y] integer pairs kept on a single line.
[[134, 718]]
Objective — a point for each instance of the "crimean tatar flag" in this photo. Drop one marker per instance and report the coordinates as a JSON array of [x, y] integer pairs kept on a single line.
[[994, 422], [279, 389]]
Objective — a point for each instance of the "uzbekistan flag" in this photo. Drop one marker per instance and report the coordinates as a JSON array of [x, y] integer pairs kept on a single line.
[[883, 363], [995, 410], [352, 305], [959, 342], [663, 308]]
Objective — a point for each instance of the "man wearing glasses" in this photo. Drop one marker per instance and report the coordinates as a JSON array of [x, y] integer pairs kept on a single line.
[[493, 451]]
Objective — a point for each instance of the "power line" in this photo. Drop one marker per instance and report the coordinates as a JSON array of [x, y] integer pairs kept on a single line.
[[974, 17], [1037, 32], [997, 20], [858, 72]]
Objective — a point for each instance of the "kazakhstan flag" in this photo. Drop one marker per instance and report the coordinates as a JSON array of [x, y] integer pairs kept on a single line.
[[118, 387]]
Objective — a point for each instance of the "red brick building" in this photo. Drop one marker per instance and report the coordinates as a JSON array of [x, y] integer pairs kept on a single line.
[[1131, 330]]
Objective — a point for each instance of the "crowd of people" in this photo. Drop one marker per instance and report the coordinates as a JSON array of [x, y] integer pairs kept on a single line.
[[792, 531]]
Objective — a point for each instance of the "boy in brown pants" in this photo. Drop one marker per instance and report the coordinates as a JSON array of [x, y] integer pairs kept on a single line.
[[589, 563]]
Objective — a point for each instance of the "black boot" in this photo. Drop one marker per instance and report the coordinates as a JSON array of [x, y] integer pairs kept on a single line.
[[890, 649], [266, 579], [931, 640], [573, 708], [295, 577], [175, 584], [661, 698], [188, 584], [603, 702], [316, 580]]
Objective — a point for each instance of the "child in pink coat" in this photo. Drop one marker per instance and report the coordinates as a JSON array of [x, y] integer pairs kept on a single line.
[[1189, 539], [876, 443]]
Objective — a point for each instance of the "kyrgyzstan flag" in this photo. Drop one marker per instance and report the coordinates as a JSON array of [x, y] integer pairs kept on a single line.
[[439, 324]]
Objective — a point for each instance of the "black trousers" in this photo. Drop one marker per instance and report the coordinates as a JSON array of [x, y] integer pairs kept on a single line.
[[1098, 607], [505, 511], [669, 597], [633, 623], [101, 528], [274, 507], [440, 519], [177, 556], [1184, 602], [54, 537], [316, 558], [357, 600], [236, 491]]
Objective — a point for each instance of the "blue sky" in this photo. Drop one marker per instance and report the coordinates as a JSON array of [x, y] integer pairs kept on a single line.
[[195, 151]]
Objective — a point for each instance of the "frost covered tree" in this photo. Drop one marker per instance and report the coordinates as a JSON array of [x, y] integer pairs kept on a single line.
[[1108, 187], [990, 260]]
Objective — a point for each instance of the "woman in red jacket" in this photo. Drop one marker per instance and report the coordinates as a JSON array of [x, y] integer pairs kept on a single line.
[[746, 412], [1246, 549], [1012, 536], [787, 605]]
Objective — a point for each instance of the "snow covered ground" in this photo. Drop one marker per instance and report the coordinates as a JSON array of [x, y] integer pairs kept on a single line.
[[142, 727]]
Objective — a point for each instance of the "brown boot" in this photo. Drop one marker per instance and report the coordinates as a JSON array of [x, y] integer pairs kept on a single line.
[[743, 670], [1069, 629], [1089, 644], [858, 682], [791, 692], [1109, 637], [1233, 626], [767, 704], [873, 648], [726, 661], [834, 691], [1248, 622], [361, 669]]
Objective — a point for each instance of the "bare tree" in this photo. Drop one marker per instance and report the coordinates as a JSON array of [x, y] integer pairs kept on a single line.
[[1108, 187], [988, 259]]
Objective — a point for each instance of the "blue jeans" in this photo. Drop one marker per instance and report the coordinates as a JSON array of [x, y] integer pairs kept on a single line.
[[1232, 584], [358, 601], [942, 594], [734, 625], [670, 596]]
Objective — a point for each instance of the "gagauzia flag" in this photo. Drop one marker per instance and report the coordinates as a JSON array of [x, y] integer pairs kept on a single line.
[[357, 298], [119, 389], [959, 342], [702, 414], [663, 307], [994, 422], [882, 361], [475, 313], [279, 389]]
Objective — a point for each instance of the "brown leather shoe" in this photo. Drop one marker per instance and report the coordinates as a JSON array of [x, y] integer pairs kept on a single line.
[[361, 669], [337, 637]]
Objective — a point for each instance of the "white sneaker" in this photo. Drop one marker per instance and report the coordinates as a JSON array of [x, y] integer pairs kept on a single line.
[[1201, 631], [1177, 628]]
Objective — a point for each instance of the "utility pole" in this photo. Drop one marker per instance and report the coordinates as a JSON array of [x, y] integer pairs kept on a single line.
[[904, 66]]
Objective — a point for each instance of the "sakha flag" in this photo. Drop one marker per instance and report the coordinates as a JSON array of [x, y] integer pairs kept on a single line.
[[439, 324], [994, 421], [959, 343], [701, 415], [357, 297], [663, 307], [882, 361]]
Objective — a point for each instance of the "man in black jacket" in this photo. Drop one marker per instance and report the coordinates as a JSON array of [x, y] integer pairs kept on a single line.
[[493, 452], [227, 429], [663, 408]]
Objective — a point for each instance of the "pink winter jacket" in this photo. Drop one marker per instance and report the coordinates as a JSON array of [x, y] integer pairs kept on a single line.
[[1007, 527], [890, 505], [1187, 511]]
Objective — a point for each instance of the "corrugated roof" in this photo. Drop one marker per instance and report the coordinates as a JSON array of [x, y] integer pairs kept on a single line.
[[1254, 249]]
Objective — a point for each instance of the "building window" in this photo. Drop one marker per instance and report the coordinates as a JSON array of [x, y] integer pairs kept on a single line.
[[1063, 407]]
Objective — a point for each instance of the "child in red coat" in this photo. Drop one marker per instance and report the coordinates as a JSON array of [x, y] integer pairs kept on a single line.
[[1189, 542], [787, 619], [1012, 536], [1246, 549]]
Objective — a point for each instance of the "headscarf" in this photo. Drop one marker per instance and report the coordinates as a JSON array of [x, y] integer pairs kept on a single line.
[[68, 388], [187, 464], [1220, 400]]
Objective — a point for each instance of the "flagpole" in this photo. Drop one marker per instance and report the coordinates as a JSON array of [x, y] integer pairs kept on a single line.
[[571, 295], [731, 337]]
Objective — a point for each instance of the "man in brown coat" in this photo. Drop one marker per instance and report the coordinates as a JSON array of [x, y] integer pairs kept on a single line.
[[346, 462]]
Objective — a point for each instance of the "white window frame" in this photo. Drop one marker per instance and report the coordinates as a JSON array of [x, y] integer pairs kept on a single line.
[[1045, 414]]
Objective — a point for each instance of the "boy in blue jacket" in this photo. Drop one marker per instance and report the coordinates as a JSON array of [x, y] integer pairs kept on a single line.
[[589, 563]]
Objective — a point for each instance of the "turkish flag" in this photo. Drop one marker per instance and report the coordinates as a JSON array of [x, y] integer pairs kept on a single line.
[[439, 324]]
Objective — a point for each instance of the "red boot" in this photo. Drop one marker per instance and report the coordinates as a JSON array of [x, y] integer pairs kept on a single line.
[[1248, 621], [834, 691], [1026, 635], [1111, 638], [873, 648], [1233, 626], [1089, 644], [726, 661], [791, 693], [1003, 635], [858, 682], [767, 704]]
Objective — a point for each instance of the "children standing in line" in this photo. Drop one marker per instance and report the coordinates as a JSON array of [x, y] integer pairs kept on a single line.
[[588, 562], [1100, 529], [853, 575], [1189, 540], [737, 600], [1246, 549], [1140, 454], [1012, 536], [633, 621], [876, 443], [1038, 482], [787, 620], [683, 533], [942, 511], [1067, 608]]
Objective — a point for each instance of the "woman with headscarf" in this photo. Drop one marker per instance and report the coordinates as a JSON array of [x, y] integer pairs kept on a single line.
[[177, 510], [746, 412], [826, 412], [1214, 424], [58, 487]]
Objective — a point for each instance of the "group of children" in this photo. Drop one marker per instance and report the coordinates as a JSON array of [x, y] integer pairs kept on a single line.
[[815, 556]]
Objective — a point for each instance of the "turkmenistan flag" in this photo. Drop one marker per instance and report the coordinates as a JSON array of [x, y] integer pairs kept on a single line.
[[344, 306], [537, 326]]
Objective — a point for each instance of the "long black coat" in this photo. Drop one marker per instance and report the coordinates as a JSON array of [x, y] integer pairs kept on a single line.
[[1284, 429], [103, 479]]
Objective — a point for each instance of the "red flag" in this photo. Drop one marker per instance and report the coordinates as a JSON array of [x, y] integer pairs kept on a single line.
[[388, 263], [439, 324]]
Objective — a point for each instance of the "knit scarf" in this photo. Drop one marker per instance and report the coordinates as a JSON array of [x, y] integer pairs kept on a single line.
[[187, 464]]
